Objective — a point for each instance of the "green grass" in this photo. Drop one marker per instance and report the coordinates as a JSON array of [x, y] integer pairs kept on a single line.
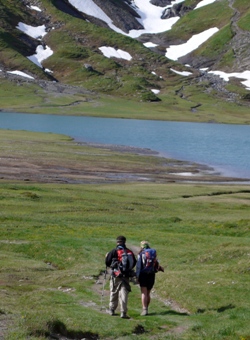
[[197, 21], [244, 22], [216, 43], [54, 237], [242, 5], [30, 98]]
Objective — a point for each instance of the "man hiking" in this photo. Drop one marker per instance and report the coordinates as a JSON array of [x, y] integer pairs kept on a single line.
[[146, 267], [121, 260]]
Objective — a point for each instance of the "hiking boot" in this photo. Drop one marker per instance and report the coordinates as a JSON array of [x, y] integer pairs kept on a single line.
[[112, 312], [144, 312], [124, 316]]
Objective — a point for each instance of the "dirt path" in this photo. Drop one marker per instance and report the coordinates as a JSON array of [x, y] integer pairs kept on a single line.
[[104, 298], [103, 292]]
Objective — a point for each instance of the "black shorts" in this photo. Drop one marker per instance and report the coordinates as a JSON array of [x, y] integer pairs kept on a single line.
[[147, 280]]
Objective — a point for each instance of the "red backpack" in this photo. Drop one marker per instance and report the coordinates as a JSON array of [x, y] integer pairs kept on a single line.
[[125, 262]]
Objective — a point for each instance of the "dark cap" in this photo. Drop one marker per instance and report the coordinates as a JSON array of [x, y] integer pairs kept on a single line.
[[121, 239]]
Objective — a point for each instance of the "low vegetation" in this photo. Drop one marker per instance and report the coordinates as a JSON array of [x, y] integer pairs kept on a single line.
[[188, 25], [31, 98], [54, 237]]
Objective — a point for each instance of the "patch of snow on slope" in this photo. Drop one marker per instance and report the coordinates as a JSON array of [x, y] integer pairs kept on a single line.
[[242, 75], [112, 52], [149, 13], [35, 8], [176, 51], [155, 91], [204, 3], [90, 8], [151, 18], [32, 31], [150, 44], [182, 73], [20, 73], [41, 54]]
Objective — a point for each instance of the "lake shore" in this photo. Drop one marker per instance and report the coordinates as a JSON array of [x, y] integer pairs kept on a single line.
[[209, 144], [63, 160], [181, 171], [104, 164]]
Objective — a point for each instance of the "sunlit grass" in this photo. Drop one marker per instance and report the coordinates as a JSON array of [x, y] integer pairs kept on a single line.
[[54, 237], [31, 99]]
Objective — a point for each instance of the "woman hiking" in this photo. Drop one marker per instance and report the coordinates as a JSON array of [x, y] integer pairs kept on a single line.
[[146, 267]]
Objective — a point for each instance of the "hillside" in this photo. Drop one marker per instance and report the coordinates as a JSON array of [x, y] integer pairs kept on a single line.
[[127, 49]]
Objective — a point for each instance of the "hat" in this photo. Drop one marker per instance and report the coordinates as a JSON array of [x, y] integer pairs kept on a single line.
[[144, 244], [121, 239]]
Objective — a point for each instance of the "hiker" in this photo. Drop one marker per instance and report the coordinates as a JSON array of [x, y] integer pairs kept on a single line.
[[121, 260], [146, 267]]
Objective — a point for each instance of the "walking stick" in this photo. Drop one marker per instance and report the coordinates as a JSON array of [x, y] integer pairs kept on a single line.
[[103, 285]]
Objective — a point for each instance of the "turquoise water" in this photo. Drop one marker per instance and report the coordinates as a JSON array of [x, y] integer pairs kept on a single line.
[[225, 147]]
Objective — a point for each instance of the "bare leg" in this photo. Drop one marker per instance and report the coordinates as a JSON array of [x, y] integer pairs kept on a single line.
[[144, 297], [148, 298]]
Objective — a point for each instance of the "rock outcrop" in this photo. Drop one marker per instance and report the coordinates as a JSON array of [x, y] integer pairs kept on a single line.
[[122, 14], [178, 10]]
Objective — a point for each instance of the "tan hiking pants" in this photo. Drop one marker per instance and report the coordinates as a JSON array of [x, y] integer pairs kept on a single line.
[[119, 289]]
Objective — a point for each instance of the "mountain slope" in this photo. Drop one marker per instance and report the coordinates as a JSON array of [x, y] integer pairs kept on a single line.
[[75, 36]]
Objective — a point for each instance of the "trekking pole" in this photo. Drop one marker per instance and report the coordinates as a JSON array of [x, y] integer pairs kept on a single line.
[[103, 285]]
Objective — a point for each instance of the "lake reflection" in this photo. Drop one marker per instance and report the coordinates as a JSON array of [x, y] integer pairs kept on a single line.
[[222, 146]]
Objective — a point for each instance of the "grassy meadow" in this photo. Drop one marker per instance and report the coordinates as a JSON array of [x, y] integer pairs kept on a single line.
[[54, 237], [30, 98]]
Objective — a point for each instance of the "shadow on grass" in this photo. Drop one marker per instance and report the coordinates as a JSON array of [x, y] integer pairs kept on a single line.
[[139, 329], [170, 312], [218, 310], [57, 330]]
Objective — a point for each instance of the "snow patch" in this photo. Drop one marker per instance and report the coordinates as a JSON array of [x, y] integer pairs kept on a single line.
[[150, 16], [90, 8], [41, 54], [204, 3], [35, 8], [150, 44], [48, 71], [155, 91], [34, 32], [112, 52], [240, 75], [176, 51], [182, 73], [20, 73]]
